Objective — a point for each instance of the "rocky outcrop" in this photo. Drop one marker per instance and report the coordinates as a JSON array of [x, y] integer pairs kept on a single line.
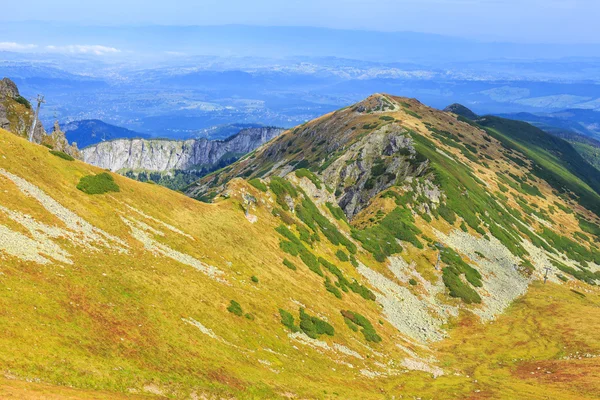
[[8, 88], [57, 141], [166, 155], [361, 173], [16, 114]]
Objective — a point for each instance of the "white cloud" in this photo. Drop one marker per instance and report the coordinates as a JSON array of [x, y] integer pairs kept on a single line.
[[84, 49], [12, 46]]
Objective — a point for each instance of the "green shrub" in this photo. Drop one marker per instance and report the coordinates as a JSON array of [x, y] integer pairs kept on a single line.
[[531, 190], [581, 274], [414, 114], [249, 316], [589, 227], [98, 184], [332, 288], [337, 212], [288, 320], [289, 247], [378, 168], [447, 213], [308, 212], [304, 173], [285, 217], [257, 183], [254, 279], [351, 324], [298, 249], [368, 330], [313, 327], [413, 282], [62, 155], [289, 264], [341, 255], [22, 100], [380, 239], [458, 288], [235, 308], [451, 258], [572, 249], [285, 232], [281, 188]]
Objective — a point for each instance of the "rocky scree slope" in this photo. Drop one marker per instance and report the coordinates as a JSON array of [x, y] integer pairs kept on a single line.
[[274, 291]]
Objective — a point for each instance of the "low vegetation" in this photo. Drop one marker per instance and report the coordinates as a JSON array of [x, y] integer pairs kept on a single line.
[[62, 155], [455, 268], [98, 184], [235, 308], [354, 319]]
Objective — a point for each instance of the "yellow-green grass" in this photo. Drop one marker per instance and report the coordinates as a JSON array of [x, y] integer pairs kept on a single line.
[[114, 321]]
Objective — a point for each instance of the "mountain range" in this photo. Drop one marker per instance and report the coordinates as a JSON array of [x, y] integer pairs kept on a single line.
[[383, 250]]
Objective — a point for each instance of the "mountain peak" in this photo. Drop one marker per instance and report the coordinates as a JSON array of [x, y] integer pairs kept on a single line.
[[461, 110]]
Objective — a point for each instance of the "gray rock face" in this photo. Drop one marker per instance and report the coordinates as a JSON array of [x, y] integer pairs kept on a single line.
[[8, 89], [166, 155], [357, 177]]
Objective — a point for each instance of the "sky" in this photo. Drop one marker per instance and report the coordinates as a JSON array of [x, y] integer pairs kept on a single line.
[[524, 21]]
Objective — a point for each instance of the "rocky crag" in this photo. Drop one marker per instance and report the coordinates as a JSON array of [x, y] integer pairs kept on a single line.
[[17, 115], [160, 155], [58, 141]]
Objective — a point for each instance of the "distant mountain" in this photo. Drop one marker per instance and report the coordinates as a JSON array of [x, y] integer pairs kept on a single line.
[[223, 131], [461, 110], [88, 132], [581, 121]]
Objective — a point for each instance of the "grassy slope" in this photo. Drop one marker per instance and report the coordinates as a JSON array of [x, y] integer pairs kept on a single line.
[[590, 153], [560, 164], [113, 322]]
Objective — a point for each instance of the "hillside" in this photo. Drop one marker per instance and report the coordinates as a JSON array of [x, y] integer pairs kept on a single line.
[[385, 250]]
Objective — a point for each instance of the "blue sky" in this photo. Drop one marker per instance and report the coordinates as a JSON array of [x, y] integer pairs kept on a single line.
[[548, 21]]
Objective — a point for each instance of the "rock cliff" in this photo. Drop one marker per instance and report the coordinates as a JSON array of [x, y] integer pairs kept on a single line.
[[165, 155]]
